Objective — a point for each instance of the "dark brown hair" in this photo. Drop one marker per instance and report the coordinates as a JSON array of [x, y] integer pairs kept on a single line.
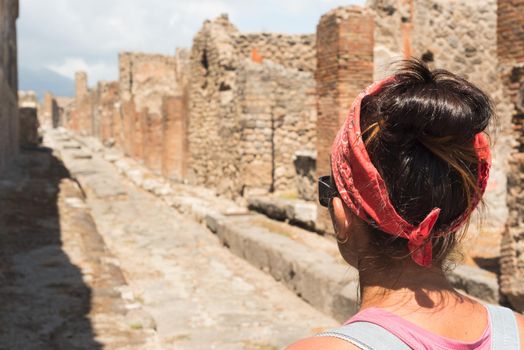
[[419, 131]]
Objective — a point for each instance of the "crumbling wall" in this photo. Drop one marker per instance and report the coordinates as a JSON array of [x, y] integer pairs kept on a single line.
[[144, 80], [291, 51], [174, 138], [277, 114], [50, 115], [213, 133], [81, 118], [175, 121], [105, 111], [511, 57], [344, 68], [460, 36], [243, 87], [8, 82], [65, 104]]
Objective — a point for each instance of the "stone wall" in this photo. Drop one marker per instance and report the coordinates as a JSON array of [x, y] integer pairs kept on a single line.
[[460, 36], [251, 107], [81, 111], [344, 68], [65, 104], [174, 138], [292, 51], [212, 130], [145, 79], [50, 114], [105, 111], [277, 115], [511, 57], [9, 123]]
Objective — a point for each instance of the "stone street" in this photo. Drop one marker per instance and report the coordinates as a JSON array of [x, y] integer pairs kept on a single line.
[[131, 272]]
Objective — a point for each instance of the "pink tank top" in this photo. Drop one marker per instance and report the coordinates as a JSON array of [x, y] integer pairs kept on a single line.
[[417, 337]]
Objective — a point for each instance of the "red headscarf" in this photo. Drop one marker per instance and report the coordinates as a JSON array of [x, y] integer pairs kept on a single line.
[[363, 190]]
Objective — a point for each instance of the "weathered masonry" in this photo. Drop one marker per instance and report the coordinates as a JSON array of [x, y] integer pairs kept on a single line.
[[251, 109], [248, 114], [511, 54], [9, 123]]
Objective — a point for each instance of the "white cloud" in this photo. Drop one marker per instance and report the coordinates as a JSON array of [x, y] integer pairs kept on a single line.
[[65, 35], [95, 71]]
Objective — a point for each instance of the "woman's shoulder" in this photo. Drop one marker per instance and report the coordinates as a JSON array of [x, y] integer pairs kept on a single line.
[[315, 343]]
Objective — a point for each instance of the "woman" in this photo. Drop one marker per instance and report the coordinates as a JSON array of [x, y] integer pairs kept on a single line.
[[409, 166]]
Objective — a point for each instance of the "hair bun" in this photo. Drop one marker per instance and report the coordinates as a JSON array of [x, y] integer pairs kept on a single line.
[[424, 103]]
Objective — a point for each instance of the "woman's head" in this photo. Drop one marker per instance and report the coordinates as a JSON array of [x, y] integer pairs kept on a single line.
[[419, 130]]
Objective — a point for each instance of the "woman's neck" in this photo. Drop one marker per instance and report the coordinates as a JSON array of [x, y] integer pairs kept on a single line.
[[408, 287]]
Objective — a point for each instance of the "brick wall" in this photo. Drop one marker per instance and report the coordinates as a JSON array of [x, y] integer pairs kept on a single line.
[[9, 128], [344, 68]]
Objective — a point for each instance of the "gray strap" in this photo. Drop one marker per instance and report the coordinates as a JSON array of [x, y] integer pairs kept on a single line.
[[367, 336], [504, 328]]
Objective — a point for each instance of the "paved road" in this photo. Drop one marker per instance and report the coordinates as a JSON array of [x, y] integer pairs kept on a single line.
[[194, 292], [59, 285]]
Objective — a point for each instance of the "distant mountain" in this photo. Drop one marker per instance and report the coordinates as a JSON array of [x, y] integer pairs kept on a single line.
[[42, 80]]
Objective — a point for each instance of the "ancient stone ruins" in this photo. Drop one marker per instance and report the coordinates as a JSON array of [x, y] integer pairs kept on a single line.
[[252, 116]]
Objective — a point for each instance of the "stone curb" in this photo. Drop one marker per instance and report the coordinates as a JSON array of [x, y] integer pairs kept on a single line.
[[314, 276], [296, 212]]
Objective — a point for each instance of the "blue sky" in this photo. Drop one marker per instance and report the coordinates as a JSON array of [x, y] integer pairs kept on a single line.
[[69, 35]]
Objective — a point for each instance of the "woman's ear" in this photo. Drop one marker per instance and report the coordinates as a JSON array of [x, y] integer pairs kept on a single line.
[[341, 219]]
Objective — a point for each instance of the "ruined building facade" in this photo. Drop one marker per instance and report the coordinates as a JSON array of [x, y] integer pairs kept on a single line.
[[8, 82], [255, 114], [251, 109]]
